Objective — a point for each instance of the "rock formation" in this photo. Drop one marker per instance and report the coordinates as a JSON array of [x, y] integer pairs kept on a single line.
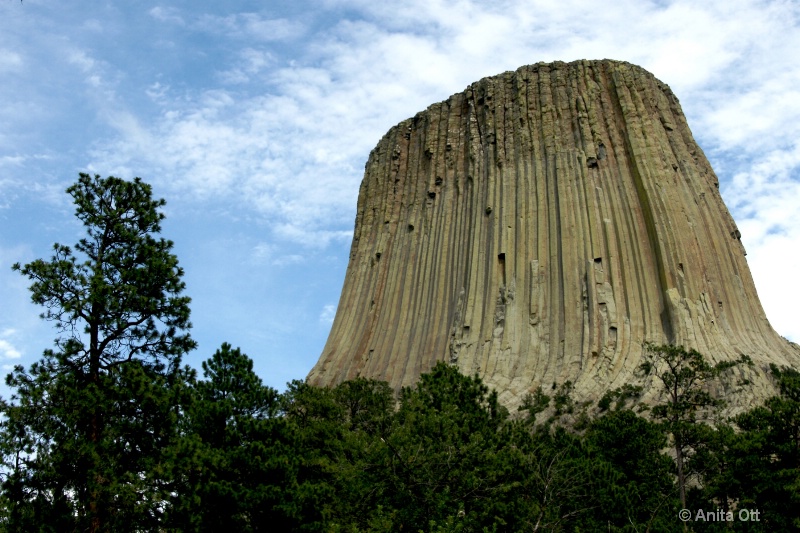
[[539, 227]]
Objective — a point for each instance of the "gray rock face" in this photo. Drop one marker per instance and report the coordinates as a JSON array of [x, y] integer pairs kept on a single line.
[[539, 227]]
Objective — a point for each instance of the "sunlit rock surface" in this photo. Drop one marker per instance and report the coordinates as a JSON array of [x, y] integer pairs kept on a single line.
[[539, 227]]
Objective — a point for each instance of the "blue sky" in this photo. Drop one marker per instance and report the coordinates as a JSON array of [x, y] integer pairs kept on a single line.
[[254, 121]]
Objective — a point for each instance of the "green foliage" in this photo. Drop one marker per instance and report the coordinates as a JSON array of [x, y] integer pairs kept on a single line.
[[562, 399], [124, 296], [358, 468], [534, 403], [765, 456], [685, 377], [368, 404], [643, 493], [237, 453], [444, 455], [620, 396], [85, 433], [550, 476]]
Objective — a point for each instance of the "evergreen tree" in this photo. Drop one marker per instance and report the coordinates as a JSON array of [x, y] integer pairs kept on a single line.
[[237, 459], [357, 464], [765, 456], [85, 431], [685, 378], [318, 497], [642, 495], [444, 457], [548, 479]]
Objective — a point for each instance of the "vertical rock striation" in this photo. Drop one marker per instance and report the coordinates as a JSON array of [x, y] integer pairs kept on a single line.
[[539, 227]]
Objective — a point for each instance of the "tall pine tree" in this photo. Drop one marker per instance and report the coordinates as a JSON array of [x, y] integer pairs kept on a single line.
[[85, 431], [685, 377]]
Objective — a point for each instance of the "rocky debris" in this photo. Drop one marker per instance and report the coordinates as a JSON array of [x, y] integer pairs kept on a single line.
[[537, 228]]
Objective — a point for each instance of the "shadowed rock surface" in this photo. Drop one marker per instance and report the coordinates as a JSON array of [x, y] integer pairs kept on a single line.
[[539, 227]]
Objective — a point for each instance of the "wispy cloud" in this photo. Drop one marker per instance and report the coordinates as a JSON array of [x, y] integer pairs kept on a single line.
[[289, 259], [243, 26], [9, 61], [251, 26], [327, 315], [7, 350], [250, 63], [167, 14], [266, 253]]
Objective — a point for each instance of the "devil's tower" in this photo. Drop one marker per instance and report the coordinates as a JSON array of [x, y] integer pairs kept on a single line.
[[539, 227]]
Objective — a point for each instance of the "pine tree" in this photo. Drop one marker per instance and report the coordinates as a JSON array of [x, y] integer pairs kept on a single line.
[[240, 453], [766, 456], [685, 377], [85, 431]]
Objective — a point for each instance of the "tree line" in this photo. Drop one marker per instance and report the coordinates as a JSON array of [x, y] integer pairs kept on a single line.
[[109, 431]]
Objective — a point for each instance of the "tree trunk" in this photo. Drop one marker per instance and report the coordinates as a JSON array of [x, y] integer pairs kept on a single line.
[[95, 427], [681, 476]]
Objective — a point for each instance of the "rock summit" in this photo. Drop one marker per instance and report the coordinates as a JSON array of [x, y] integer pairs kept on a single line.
[[538, 228]]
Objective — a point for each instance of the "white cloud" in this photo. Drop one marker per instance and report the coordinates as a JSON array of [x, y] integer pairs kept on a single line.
[[10, 61], [327, 315], [81, 59], [266, 252], [763, 199], [7, 350], [321, 120], [243, 26], [157, 92], [250, 63], [290, 259], [251, 26], [93, 25], [167, 14], [100, 78], [263, 250]]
